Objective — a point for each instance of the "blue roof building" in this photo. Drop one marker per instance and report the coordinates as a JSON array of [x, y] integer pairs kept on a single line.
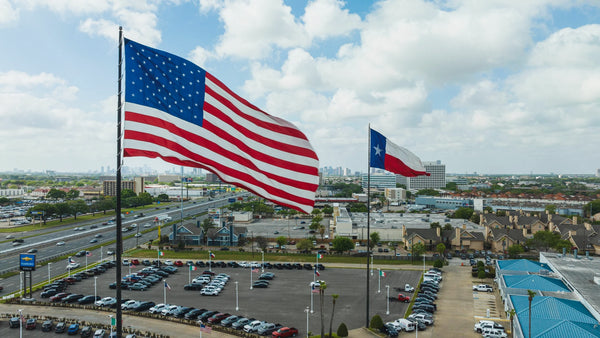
[[553, 318], [521, 266], [534, 282]]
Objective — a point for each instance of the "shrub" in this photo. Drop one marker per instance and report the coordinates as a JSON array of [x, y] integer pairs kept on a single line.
[[342, 330], [481, 274], [438, 264], [480, 264], [376, 322]]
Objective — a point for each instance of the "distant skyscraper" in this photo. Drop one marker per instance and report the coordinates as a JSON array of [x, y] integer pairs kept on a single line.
[[435, 181], [380, 181]]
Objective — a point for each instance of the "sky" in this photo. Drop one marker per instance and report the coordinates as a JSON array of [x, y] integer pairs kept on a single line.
[[492, 87]]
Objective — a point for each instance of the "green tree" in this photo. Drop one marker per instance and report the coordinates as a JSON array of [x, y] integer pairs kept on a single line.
[[543, 240], [55, 194], [418, 249], [145, 198], [281, 240], [78, 207], [127, 193], [530, 295], [261, 242], [341, 244], [376, 322], [62, 209], [474, 218], [342, 330], [563, 243], [357, 207], [481, 274], [451, 186], [206, 224], [438, 263], [72, 194], [46, 209], [334, 298], [375, 238], [434, 225], [551, 208], [511, 314], [463, 212], [316, 222], [328, 210], [428, 192], [322, 288], [304, 245], [592, 208], [162, 198], [515, 250], [447, 226], [441, 248]]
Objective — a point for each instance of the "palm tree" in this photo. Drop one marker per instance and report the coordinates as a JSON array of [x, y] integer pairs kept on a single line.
[[322, 287], [531, 295], [511, 313], [334, 298]]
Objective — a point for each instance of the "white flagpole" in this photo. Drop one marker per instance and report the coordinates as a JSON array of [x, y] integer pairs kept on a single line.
[[311, 299], [189, 274], [251, 268], [164, 291], [209, 260], [379, 280]]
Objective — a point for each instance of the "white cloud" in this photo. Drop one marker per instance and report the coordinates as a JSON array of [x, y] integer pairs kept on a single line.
[[199, 56], [327, 18], [8, 14]]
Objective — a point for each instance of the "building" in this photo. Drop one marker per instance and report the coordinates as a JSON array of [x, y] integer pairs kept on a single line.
[[380, 181], [436, 180], [167, 178], [109, 188], [395, 195], [212, 178], [443, 203]]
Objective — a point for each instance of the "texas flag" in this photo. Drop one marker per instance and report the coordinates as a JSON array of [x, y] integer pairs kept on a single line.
[[167, 285], [212, 255], [317, 273], [391, 157]]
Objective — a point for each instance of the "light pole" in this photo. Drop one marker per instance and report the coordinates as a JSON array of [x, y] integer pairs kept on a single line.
[[237, 304], [95, 293], [20, 323], [49, 264], [263, 261], [307, 329], [379, 280], [311, 298], [21, 283], [387, 309], [371, 264]]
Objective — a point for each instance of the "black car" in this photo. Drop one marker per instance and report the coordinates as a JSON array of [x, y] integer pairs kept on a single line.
[[72, 298], [320, 266], [88, 299], [278, 266], [389, 330], [297, 266], [143, 306], [60, 327], [193, 314], [14, 323], [206, 314], [288, 266], [260, 284], [308, 266], [193, 286], [182, 311], [47, 326], [266, 276], [49, 293], [200, 264], [86, 331]]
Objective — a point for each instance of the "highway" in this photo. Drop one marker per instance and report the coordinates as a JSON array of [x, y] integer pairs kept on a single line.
[[44, 241]]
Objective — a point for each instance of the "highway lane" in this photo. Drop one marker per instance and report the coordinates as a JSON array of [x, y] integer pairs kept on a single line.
[[76, 241]]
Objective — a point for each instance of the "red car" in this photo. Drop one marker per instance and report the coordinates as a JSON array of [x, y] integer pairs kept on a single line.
[[135, 261], [70, 280], [59, 296], [403, 298], [178, 263], [217, 318], [285, 332]]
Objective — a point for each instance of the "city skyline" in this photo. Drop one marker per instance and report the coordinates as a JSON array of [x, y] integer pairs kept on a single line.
[[499, 87]]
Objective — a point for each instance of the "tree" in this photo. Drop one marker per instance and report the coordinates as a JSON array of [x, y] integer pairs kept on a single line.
[[55, 194], [515, 250], [357, 207], [592, 208], [375, 238], [316, 222], [206, 224], [162, 198], [530, 294], [78, 207], [551, 208], [72, 194], [62, 209], [481, 274], [145, 198], [261, 242], [418, 249], [342, 330], [428, 192], [463, 212], [281, 240], [543, 240], [511, 313], [474, 218], [447, 226], [46, 209], [563, 243], [376, 322], [322, 287], [328, 210], [341, 244], [434, 225], [304, 245], [242, 241], [127, 193], [441, 248], [334, 297]]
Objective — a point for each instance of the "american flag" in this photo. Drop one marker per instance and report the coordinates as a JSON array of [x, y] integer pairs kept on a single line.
[[71, 260], [255, 270], [205, 328], [88, 253], [179, 112]]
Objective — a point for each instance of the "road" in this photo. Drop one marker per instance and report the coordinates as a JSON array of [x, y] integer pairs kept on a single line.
[[45, 241]]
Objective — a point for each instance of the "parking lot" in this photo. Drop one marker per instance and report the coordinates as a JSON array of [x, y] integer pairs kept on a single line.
[[284, 301]]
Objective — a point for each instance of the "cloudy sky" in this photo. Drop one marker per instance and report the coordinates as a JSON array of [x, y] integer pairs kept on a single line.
[[495, 86]]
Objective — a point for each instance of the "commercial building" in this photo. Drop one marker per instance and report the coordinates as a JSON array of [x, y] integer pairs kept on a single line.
[[436, 180], [109, 188], [395, 195], [379, 181]]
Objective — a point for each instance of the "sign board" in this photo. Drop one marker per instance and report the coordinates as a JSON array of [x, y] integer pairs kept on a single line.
[[27, 262]]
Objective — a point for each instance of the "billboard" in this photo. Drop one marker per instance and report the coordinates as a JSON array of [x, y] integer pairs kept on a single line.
[[27, 262]]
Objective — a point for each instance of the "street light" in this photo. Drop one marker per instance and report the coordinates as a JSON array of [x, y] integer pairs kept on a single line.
[[263, 261], [95, 282], [306, 310], [387, 310], [237, 307], [49, 264], [20, 323]]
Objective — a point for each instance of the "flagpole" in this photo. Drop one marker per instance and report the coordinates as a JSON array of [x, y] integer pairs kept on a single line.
[[368, 219], [209, 260], [165, 291], [379, 280], [251, 268], [118, 208]]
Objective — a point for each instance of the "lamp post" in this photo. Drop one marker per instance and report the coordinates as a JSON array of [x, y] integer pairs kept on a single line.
[[307, 329], [21, 283], [237, 307], [379, 280], [387, 309], [95, 293], [263, 261], [49, 264], [371, 264], [20, 323]]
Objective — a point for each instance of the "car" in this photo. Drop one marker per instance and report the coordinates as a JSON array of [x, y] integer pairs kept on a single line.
[[241, 322], [169, 311], [253, 326], [138, 235], [61, 243], [428, 320], [260, 284], [181, 311], [138, 286], [30, 324], [100, 333], [88, 299], [267, 276], [14, 322], [285, 332], [86, 331], [73, 329], [158, 308], [491, 333], [193, 286], [147, 225], [72, 298], [143, 306], [49, 293], [47, 325], [106, 301], [168, 262], [60, 327], [194, 313], [110, 252], [98, 235], [59, 296], [483, 288], [389, 329], [178, 263], [206, 314], [408, 288], [487, 324], [229, 320], [218, 317], [268, 328], [32, 251], [130, 304]]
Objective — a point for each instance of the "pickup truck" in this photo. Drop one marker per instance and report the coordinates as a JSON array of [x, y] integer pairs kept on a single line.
[[483, 288], [400, 298]]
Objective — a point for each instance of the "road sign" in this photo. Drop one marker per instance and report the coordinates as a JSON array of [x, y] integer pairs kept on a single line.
[[113, 321], [27, 262]]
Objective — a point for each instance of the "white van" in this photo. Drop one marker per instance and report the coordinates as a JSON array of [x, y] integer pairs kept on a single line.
[[404, 325]]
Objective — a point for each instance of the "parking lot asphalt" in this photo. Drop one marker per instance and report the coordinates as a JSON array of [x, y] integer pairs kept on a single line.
[[284, 301]]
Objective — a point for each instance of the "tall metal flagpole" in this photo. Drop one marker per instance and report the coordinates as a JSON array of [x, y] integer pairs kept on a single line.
[[368, 219], [118, 209]]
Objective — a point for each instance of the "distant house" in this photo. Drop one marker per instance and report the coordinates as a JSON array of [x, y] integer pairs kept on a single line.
[[223, 237], [455, 239], [190, 233], [503, 238]]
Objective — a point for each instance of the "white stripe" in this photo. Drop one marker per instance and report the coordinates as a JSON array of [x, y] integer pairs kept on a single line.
[[255, 114], [404, 155]]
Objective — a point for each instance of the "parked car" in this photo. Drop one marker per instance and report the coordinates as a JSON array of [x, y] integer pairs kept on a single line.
[[487, 324], [285, 332], [106, 301], [60, 327], [14, 322], [483, 288], [229, 320], [73, 329], [30, 324], [253, 326], [86, 331], [100, 333], [47, 326], [88, 299], [241, 322], [72, 298]]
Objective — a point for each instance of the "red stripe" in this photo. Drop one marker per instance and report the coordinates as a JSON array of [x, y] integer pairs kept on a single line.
[[175, 130], [288, 130], [145, 137], [394, 165]]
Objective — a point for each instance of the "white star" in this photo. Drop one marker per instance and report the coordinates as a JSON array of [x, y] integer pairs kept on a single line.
[[377, 150]]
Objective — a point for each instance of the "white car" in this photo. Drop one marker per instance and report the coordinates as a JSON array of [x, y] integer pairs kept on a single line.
[[168, 311], [72, 266], [210, 291], [168, 262], [253, 326], [130, 304], [61, 243], [487, 324], [106, 301], [483, 288], [493, 333], [158, 308], [201, 280], [147, 225], [428, 320], [408, 288]]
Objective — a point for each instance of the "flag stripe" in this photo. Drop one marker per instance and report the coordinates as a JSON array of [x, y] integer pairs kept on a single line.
[[394, 165], [176, 111], [386, 155]]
